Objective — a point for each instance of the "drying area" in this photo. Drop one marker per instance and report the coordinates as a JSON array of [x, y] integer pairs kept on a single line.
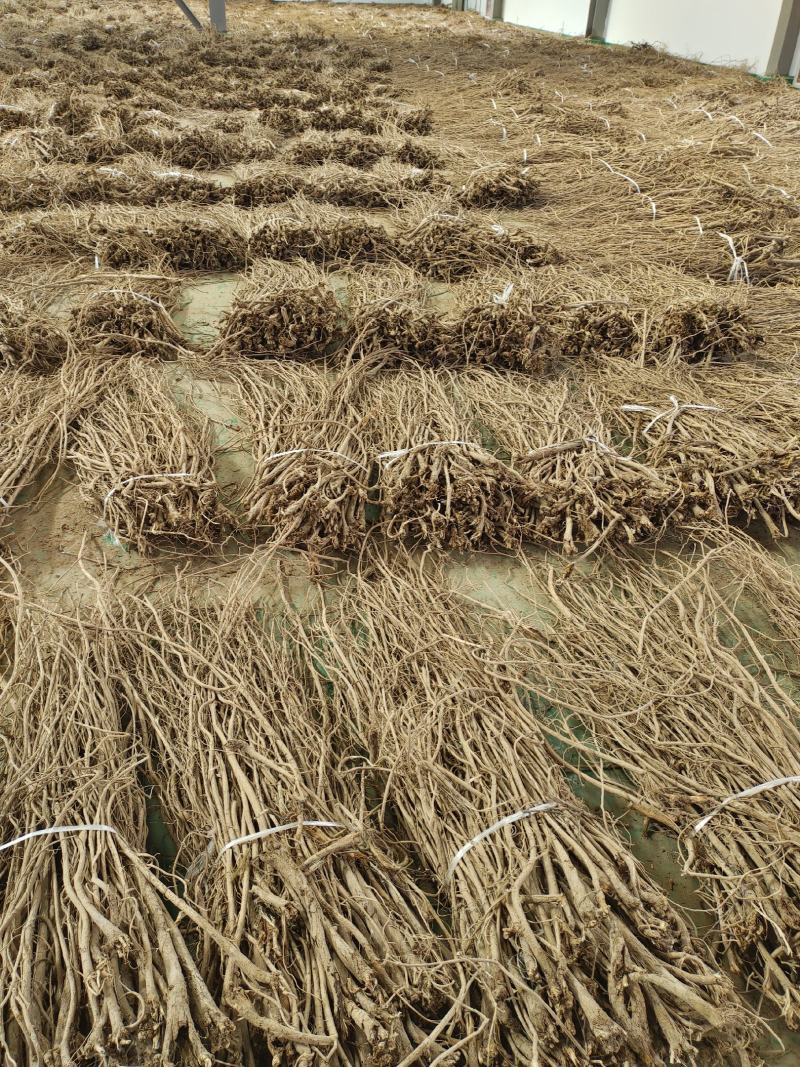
[[400, 570]]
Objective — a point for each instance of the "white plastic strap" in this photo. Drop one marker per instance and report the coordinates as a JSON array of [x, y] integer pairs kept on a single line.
[[259, 834], [142, 478], [505, 296], [699, 224], [672, 413], [4, 503], [735, 118], [753, 791], [634, 185], [509, 820], [761, 137], [398, 452], [321, 451], [98, 828], [739, 270]]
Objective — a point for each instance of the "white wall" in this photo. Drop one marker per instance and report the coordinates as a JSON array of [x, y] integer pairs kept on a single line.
[[731, 32], [558, 16]]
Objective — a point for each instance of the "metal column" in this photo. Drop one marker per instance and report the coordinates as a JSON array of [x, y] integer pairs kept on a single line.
[[216, 12], [786, 35]]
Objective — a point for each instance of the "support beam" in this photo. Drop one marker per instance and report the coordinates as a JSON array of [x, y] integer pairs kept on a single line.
[[786, 34], [598, 18], [497, 9], [216, 12], [189, 14]]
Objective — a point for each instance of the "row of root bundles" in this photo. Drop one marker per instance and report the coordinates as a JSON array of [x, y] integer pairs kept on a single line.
[[144, 463], [93, 966], [311, 468], [675, 672], [354, 967], [587, 958]]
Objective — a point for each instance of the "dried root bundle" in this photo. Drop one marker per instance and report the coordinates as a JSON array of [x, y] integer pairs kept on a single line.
[[37, 410], [504, 325], [144, 465], [656, 669], [351, 968], [703, 332], [722, 439], [587, 492], [587, 959], [599, 330], [271, 188], [125, 322], [501, 185], [29, 342], [390, 319], [285, 311], [205, 149], [437, 484], [309, 484], [452, 246], [356, 150], [178, 244], [93, 966], [324, 237]]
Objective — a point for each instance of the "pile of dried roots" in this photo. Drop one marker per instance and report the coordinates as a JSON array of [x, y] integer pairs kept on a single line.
[[670, 673], [587, 960], [29, 342], [311, 470], [390, 319], [436, 482], [125, 322], [286, 310], [143, 463], [323, 236], [347, 962]]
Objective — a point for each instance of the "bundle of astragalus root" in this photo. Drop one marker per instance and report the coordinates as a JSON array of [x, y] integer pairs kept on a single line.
[[586, 958], [144, 464], [311, 468]]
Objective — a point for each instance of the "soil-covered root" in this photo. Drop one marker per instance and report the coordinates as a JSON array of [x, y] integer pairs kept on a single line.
[[354, 966], [30, 342], [502, 324], [449, 246], [323, 236], [125, 322], [437, 484], [703, 332], [421, 684], [311, 468], [92, 958], [143, 464], [72, 113], [286, 311], [501, 185], [390, 319], [356, 150], [417, 153]]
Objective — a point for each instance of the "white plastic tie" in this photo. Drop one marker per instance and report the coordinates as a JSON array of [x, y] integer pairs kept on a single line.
[[505, 296], [753, 791], [320, 451], [703, 111], [508, 820], [761, 137], [398, 452], [98, 828], [671, 413], [633, 184], [699, 224], [739, 271], [260, 834], [142, 478], [735, 118], [501, 231], [4, 504]]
